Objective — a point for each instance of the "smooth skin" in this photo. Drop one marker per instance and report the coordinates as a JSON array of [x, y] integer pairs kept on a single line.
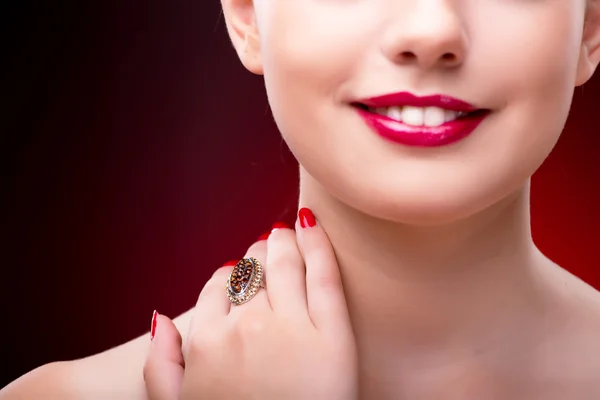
[[446, 291], [296, 342], [293, 341]]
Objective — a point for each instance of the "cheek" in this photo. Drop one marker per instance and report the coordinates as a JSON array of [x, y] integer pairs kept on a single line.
[[533, 70], [531, 57], [310, 50]]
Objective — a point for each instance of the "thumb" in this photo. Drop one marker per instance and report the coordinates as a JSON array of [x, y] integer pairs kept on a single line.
[[163, 370]]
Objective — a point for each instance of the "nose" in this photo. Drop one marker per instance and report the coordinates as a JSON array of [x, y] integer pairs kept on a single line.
[[427, 33]]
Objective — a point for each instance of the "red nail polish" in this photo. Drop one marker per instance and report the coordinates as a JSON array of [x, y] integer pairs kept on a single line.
[[307, 218], [264, 236], [279, 225], [153, 325], [231, 263]]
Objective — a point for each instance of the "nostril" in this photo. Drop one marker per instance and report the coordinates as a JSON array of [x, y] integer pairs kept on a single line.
[[449, 57], [408, 55]]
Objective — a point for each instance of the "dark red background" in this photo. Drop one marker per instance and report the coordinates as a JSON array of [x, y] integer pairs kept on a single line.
[[131, 138]]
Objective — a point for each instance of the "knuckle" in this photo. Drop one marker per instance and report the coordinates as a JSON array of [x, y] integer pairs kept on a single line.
[[320, 254], [282, 263], [321, 251], [284, 251], [328, 282]]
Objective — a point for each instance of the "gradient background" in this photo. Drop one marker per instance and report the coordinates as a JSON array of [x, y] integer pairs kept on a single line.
[[129, 137]]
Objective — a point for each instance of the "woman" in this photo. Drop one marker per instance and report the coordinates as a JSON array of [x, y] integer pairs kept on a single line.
[[417, 125]]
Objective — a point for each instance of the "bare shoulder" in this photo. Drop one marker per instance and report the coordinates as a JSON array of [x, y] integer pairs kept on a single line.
[[113, 374], [570, 355]]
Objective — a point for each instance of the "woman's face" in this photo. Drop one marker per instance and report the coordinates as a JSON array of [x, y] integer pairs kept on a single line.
[[519, 59]]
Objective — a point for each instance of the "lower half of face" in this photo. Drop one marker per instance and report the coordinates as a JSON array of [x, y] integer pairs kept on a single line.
[[517, 59]]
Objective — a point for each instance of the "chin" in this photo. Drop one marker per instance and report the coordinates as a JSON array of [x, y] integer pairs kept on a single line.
[[422, 212], [427, 206]]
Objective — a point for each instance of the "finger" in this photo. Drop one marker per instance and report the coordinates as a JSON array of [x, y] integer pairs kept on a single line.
[[212, 303], [286, 276], [260, 301], [325, 295], [163, 370]]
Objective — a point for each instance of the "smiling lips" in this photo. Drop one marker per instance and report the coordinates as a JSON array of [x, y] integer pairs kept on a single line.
[[430, 121]]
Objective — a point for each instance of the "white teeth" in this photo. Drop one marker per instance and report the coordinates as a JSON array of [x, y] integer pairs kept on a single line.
[[413, 115], [434, 116], [450, 115], [419, 116], [394, 113]]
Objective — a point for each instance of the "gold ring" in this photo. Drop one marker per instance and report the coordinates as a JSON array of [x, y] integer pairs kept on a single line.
[[245, 281]]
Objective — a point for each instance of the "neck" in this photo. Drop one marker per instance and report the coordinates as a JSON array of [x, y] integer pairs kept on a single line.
[[408, 287]]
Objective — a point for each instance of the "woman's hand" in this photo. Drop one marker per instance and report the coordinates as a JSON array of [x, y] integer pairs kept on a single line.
[[293, 340]]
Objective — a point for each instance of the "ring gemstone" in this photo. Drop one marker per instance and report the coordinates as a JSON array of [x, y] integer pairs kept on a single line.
[[240, 277], [244, 281]]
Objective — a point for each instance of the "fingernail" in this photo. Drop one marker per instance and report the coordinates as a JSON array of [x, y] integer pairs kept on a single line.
[[307, 218], [231, 263], [153, 325], [264, 236], [279, 225]]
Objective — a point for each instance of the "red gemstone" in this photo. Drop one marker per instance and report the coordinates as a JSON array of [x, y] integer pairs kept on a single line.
[[241, 276]]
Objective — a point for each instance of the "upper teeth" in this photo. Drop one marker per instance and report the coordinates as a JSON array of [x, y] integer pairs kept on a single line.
[[419, 116]]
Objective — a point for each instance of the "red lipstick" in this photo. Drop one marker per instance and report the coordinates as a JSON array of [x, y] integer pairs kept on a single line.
[[465, 120]]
